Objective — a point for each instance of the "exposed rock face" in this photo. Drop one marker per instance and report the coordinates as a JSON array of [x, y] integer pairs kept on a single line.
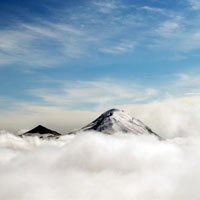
[[42, 132]]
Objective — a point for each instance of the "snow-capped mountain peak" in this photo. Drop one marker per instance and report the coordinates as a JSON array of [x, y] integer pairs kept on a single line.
[[115, 120]]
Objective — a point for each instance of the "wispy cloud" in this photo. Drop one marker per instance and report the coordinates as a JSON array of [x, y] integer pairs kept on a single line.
[[106, 93], [33, 44], [99, 27], [67, 38], [156, 10], [3, 99], [169, 29], [120, 48], [189, 81], [107, 6], [175, 37], [195, 4], [95, 94]]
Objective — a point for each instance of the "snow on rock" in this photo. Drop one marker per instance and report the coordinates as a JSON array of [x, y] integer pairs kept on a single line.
[[115, 120]]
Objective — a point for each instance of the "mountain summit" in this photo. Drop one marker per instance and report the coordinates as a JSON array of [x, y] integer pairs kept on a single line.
[[111, 122], [116, 120], [42, 132]]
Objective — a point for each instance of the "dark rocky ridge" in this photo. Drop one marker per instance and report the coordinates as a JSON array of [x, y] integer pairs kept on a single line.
[[42, 132]]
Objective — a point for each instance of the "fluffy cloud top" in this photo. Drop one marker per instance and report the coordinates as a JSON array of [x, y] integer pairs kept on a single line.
[[88, 166]]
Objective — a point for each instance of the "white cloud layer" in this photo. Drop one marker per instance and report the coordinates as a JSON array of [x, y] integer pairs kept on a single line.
[[93, 166]]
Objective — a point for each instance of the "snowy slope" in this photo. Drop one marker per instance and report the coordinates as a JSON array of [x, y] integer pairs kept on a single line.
[[116, 120]]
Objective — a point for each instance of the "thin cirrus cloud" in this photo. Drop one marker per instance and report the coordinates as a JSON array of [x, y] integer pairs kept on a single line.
[[106, 93], [168, 29], [108, 27], [95, 94], [195, 4], [175, 35], [120, 48], [32, 44], [62, 41], [106, 6], [189, 82]]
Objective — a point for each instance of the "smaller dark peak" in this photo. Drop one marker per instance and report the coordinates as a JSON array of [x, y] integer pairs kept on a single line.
[[40, 126], [39, 129], [42, 130]]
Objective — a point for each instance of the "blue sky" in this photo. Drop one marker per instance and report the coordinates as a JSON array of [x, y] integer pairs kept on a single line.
[[91, 55]]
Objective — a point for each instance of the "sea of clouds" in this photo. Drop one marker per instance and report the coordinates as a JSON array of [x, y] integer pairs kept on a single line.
[[91, 166]]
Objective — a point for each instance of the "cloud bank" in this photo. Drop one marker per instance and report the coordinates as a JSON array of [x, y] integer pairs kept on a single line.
[[88, 166]]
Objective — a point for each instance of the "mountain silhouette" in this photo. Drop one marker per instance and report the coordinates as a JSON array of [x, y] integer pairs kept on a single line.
[[42, 132]]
